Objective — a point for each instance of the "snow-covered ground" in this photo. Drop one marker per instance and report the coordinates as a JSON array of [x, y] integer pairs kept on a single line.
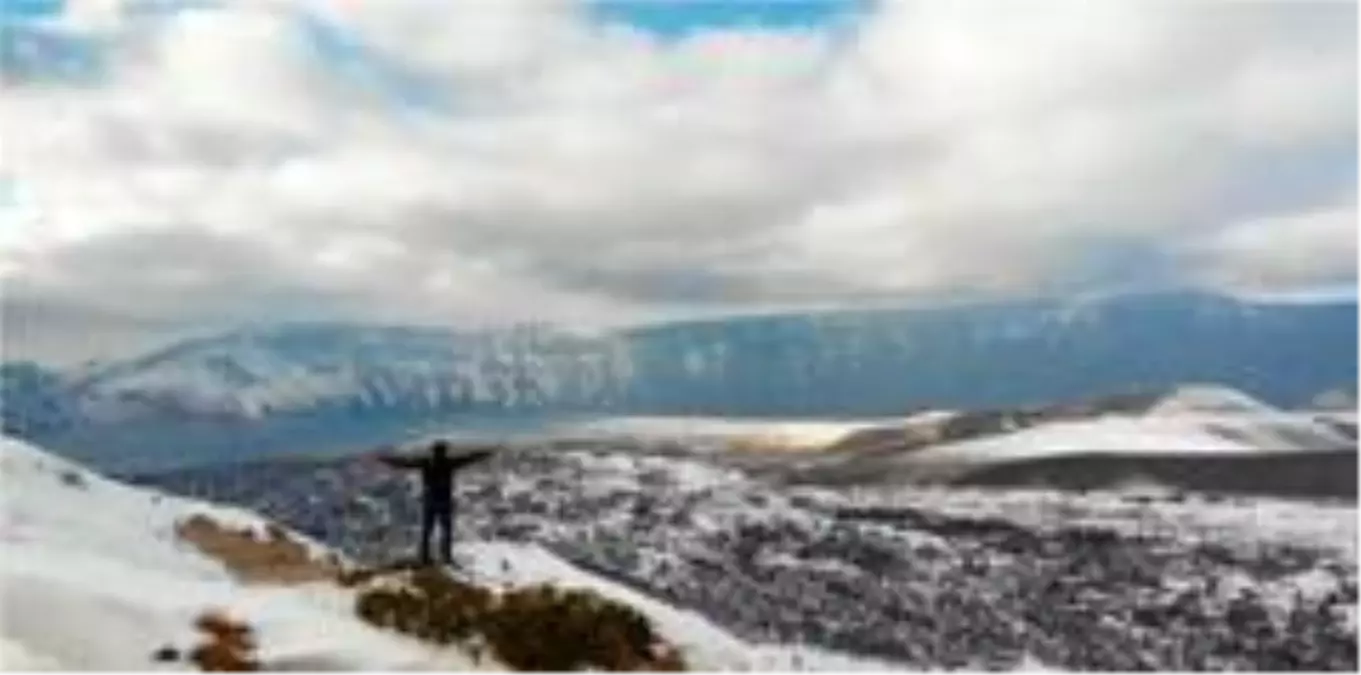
[[740, 573], [1160, 434], [95, 577], [1191, 419], [705, 645], [1246, 527], [925, 578], [1197, 438]]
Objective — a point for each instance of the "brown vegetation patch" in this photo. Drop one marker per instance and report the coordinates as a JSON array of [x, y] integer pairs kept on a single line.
[[535, 628], [275, 559], [227, 645]]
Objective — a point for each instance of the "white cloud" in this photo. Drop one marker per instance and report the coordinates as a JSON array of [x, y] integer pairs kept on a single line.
[[576, 170], [1282, 252]]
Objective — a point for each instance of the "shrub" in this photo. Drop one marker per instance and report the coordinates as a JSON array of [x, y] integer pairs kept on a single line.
[[230, 645], [535, 628]]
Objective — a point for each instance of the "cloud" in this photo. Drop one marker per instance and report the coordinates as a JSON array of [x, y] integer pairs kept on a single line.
[[1288, 251], [419, 160]]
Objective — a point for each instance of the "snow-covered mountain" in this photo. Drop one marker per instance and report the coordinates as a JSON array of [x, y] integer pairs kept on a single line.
[[309, 381], [307, 367], [1335, 399], [36, 401], [1199, 438]]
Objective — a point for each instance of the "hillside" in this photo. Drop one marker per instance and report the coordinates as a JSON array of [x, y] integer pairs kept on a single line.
[[95, 577], [316, 385], [926, 578], [1202, 439], [98, 575], [734, 572]]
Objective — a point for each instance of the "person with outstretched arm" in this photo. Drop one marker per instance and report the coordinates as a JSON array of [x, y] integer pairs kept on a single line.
[[437, 497]]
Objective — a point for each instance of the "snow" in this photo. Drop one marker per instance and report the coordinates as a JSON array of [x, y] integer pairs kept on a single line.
[[705, 645], [1249, 526], [1209, 399], [1322, 527], [724, 433], [1105, 435], [515, 565], [1338, 416], [1337, 400], [94, 577], [1192, 421], [614, 472]]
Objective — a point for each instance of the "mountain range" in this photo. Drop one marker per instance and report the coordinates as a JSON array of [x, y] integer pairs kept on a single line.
[[313, 384]]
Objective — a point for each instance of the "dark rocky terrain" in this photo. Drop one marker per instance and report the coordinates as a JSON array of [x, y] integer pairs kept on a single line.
[[926, 578]]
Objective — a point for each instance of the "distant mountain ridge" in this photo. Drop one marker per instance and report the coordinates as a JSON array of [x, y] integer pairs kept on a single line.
[[882, 362], [1205, 439]]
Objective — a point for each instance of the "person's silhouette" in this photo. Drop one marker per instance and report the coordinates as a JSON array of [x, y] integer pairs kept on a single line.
[[437, 497]]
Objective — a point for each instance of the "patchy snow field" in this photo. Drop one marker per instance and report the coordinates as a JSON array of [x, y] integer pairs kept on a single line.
[[95, 577], [922, 578]]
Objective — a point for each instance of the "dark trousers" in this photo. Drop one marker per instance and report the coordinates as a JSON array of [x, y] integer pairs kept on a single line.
[[437, 514]]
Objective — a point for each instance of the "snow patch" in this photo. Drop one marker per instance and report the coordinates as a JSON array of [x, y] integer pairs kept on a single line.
[[94, 577], [1209, 399], [724, 433]]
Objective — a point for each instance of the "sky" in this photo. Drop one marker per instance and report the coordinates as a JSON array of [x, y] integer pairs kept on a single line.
[[172, 165]]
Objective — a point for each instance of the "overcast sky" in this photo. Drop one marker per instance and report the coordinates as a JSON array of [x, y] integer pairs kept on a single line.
[[201, 163]]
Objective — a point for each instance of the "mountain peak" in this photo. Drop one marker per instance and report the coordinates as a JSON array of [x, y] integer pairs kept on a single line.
[[1208, 398], [1340, 398]]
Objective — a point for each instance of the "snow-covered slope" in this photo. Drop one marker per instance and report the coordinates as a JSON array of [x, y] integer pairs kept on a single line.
[[1197, 437], [1190, 420], [311, 367], [1202, 399], [706, 645], [1129, 435], [929, 578], [1335, 400], [94, 577], [713, 433]]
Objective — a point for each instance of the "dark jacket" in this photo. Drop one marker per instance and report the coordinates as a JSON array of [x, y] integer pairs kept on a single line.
[[437, 471]]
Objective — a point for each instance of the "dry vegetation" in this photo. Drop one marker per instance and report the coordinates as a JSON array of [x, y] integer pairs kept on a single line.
[[535, 628], [275, 559], [228, 646]]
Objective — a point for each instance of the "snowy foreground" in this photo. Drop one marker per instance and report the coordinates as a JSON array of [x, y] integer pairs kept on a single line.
[[920, 577], [838, 554], [95, 576]]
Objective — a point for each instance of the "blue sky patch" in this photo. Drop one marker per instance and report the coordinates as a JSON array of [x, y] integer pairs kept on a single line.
[[32, 52], [29, 8], [343, 51], [681, 18]]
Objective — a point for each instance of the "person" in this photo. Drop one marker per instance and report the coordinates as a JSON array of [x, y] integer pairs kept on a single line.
[[437, 498]]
